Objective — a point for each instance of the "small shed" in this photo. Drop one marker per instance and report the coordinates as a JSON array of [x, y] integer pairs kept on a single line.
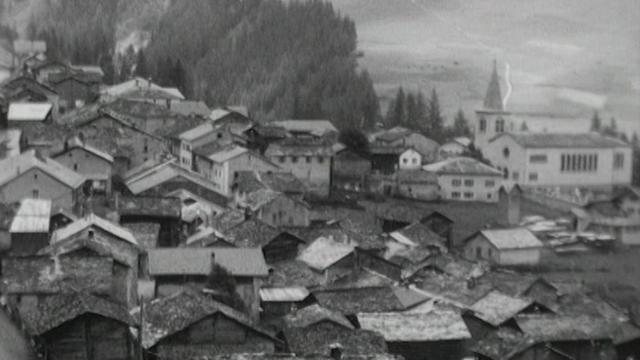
[[505, 247], [439, 335], [81, 326], [329, 257], [189, 324]]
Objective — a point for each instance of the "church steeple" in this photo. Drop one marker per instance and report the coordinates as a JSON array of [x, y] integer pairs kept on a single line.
[[493, 99]]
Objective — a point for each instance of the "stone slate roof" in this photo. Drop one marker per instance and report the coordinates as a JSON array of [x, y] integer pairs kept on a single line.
[[92, 220], [285, 182], [503, 344], [252, 233], [24, 275], [54, 311], [266, 356], [496, 308], [166, 316], [416, 327], [419, 234], [566, 140], [294, 273], [150, 206], [363, 300], [462, 166], [318, 340], [315, 314], [517, 238], [324, 252], [564, 328]]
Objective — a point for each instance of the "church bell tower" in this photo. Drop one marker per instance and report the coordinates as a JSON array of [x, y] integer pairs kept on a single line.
[[491, 118]]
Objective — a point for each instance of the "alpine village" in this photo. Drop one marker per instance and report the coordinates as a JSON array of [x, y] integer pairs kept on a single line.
[[137, 222]]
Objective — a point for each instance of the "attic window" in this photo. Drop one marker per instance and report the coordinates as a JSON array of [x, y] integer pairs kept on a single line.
[[506, 152]]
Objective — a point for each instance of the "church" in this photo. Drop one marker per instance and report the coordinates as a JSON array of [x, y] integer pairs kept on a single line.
[[548, 160]]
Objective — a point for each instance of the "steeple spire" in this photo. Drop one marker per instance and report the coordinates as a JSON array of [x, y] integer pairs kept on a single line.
[[493, 99]]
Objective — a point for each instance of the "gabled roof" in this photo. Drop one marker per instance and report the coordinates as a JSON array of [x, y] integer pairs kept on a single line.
[[370, 299], [418, 234], [92, 220], [197, 132], [33, 216], [517, 238], [252, 233], [99, 244], [78, 75], [56, 310], [324, 252], [590, 140], [319, 340], [496, 308], [164, 172], [285, 182], [191, 108], [293, 272], [416, 327], [564, 328], [197, 261], [28, 111], [462, 166], [315, 314], [76, 143], [313, 127], [263, 197], [503, 344], [14, 166], [165, 206], [227, 153], [137, 84], [164, 317]]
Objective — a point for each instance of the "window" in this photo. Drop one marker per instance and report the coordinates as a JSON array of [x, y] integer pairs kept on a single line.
[[283, 159], [489, 183], [294, 159], [506, 152], [219, 135], [483, 125], [479, 252], [320, 159], [500, 125], [146, 146], [456, 182], [308, 159], [618, 160], [538, 159], [468, 182], [533, 176], [579, 162], [468, 195], [35, 176], [414, 161], [75, 167], [515, 175], [505, 173], [404, 161], [455, 195], [35, 193], [490, 252], [489, 196]]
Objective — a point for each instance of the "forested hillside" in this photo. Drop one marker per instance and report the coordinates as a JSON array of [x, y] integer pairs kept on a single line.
[[284, 59]]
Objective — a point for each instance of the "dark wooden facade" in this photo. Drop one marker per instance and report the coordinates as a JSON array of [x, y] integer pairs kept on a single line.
[[89, 337], [285, 246], [215, 334], [428, 350], [28, 243]]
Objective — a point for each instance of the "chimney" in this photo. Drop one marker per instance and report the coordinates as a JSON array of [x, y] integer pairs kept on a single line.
[[335, 351], [471, 283]]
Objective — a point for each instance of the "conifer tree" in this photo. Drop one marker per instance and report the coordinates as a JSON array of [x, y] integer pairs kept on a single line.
[[596, 122]]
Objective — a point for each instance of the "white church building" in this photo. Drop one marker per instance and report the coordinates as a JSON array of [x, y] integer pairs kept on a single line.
[[561, 160]]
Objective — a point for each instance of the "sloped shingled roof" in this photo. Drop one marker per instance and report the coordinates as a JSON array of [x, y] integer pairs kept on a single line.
[[495, 308], [518, 238], [356, 300], [54, 311], [564, 328], [14, 166], [567, 140], [408, 327], [166, 316], [462, 166], [315, 314]]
